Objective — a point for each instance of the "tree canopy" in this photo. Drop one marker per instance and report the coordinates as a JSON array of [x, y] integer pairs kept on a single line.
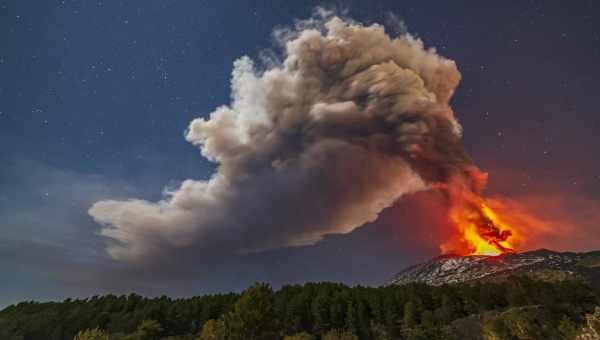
[[316, 311]]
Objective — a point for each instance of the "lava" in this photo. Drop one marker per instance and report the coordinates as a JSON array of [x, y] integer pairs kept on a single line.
[[481, 231]]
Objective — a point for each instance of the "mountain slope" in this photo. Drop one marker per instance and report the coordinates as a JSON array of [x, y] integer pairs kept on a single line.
[[543, 264]]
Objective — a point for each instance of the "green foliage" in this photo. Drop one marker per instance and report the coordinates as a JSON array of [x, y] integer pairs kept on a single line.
[[147, 330], [253, 315], [300, 336], [496, 329], [523, 325], [338, 334], [410, 314], [425, 333], [213, 330], [567, 328], [518, 307], [175, 337], [92, 334], [379, 332], [531, 322]]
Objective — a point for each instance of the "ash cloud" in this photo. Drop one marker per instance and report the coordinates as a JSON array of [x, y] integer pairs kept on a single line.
[[351, 120]]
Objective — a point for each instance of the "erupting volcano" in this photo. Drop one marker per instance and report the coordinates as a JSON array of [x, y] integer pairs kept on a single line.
[[348, 121], [482, 232], [480, 229]]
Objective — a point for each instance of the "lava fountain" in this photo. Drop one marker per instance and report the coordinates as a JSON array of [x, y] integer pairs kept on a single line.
[[480, 229]]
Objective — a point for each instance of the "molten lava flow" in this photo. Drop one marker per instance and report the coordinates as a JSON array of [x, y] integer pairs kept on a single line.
[[481, 230]]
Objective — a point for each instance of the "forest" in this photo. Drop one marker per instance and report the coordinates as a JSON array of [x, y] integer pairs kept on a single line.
[[517, 308]]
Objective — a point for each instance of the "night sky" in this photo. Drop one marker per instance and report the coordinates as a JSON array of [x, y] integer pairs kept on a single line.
[[95, 97]]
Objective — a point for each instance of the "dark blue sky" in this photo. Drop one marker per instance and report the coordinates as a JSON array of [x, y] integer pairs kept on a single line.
[[95, 97]]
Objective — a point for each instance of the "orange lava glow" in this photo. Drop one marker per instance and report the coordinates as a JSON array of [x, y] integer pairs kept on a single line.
[[481, 231]]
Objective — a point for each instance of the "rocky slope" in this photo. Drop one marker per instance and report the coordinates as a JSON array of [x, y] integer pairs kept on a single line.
[[543, 264]]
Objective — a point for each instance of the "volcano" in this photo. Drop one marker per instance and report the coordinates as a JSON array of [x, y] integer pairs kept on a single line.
[[539, 264]]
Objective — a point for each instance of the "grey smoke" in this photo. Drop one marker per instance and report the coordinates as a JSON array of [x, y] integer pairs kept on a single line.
[[321, 143]]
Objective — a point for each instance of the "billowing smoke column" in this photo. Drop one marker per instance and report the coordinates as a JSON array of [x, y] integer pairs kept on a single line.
[[351, 120]]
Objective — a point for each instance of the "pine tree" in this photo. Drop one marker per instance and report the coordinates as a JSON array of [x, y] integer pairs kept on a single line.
[[253, 316]]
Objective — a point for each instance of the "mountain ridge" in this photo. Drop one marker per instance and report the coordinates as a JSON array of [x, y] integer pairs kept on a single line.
[[541, 263]]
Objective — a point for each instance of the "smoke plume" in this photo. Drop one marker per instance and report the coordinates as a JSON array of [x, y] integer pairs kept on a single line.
[[320, 143]]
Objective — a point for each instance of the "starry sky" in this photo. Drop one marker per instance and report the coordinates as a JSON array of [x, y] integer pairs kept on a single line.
[[95, 97]]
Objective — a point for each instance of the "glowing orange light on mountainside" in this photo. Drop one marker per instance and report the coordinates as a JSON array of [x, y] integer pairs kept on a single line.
[[481, 231]]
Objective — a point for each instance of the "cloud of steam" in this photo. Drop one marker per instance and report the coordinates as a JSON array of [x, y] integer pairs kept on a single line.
[[321, 143]]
